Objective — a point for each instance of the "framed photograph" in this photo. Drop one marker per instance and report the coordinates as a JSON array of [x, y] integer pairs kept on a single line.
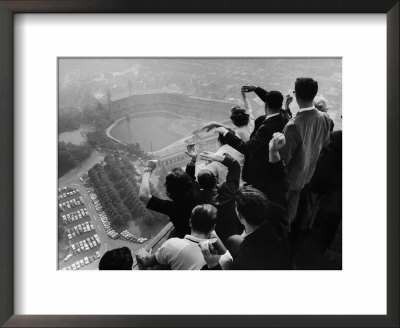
[[130, 132]]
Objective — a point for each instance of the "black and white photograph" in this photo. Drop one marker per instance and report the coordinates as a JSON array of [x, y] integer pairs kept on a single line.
[[199, 163]]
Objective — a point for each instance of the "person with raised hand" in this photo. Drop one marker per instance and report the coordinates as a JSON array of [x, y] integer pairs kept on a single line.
[[179, 188], [264, 244], [221, 196], [256, 169], [241, 117]]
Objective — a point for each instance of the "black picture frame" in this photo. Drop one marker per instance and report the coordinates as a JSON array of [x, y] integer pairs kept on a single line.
[[11, 7]]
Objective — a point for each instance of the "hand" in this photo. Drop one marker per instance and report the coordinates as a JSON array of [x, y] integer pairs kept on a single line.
[[288, 100], [209, 156], [248, 88], [213, 235], [141, 253], [277, 142], [210, 254], [211, 126], [221, 130], [191, 152], [152, 163]]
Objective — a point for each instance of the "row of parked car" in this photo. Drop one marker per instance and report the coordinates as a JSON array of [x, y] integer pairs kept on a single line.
[[99, 209], [75, 216], [85, 244], [107, 225], [83, 262], [62, 189], [75, 202], [67, 194], [131, 237], [79, 229]]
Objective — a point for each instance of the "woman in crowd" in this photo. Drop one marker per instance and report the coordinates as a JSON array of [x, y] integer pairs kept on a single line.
[[179, 188]]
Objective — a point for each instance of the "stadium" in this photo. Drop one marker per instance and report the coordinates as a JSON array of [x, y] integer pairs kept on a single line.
[[164, 122]]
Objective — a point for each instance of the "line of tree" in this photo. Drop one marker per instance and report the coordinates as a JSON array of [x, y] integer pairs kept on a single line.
[[116, 186]]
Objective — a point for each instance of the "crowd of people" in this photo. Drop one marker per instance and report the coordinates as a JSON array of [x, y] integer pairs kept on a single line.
[[258, 197]]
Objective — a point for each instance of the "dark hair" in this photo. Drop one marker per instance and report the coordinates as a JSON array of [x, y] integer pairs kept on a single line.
[[203, 218], [117, 259], [206, 180], [252, 204], [274, 100], [306, 88], [178, 185], [239, 116]]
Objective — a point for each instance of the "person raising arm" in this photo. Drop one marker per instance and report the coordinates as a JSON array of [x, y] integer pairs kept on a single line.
[[179, 189], [144, 191]]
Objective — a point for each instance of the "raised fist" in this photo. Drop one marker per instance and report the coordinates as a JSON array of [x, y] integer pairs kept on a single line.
[[248, 88], [152, 163], [277, 142], [191, 151]]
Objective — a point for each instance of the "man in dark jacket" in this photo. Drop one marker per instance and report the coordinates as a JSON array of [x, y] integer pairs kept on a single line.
[[256, 169], [221, 196], [262, 94], [264, 244]]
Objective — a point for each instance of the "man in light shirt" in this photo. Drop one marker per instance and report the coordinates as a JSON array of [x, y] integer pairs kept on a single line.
[[185, 253], [306, 135]]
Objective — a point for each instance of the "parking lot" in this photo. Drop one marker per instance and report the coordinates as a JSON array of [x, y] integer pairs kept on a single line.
[[83, 239], [86, 203]]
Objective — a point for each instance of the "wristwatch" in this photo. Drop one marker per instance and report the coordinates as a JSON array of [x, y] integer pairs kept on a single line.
[[148, 169]]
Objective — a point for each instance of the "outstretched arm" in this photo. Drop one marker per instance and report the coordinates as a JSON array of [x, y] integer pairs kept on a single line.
[[144, 191], [260, 92], [191, 166], [213, 125], [254, 144], [248, 108]]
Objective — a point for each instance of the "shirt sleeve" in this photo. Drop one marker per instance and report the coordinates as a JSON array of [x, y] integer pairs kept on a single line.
[[159, 205], [230, 186], [292, 140], [249, 110], [261, 93], [190, 171], [254, 144], [163, 255]]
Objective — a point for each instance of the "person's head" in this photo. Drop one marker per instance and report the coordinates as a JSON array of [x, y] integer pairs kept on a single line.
[[206, 180], [252, 205], [320, 104], [239, 116], [305, 89], [203, 219], [117, 259], [273, 101], [178, 185]]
